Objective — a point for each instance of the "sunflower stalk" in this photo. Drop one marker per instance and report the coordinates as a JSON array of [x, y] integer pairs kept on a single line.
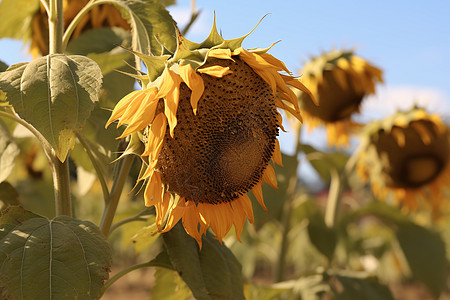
[[116, 191], [125, 272], [286, 217], [96, 164]]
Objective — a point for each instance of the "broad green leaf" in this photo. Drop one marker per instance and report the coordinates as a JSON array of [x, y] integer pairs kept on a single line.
[[323, 162], [425, 252], [367, 288], [99, 40], [8, 152], [8, 195], [427, 263], [151, 24], [169, 286], [62, 258], [16, 16], [55, 94], [3, 66], [321, 236], [16, 215], [167, 2], [212, 273]]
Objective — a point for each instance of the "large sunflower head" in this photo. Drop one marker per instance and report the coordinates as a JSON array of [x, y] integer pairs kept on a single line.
[[208, 121], [407, 157], [339, 80], [103, 15]]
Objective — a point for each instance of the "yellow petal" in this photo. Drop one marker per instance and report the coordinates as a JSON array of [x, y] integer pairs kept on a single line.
[[170, 108], [257, 191], [220, 53], [270, 177], [121, 107], [155, 137], [216, 71], [153, 190], [277, 154], [144, 115], [194, 82]]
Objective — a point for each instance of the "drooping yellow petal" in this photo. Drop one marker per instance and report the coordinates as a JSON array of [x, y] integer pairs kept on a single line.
[[155, 137], [257, 191], [121, 107], [194, 82], [171, 106], [144, 115], [270, 177], [218, 216], [216, 71], [220, 53], [277, 154], [190, 221], [242, 209], [153, 190]]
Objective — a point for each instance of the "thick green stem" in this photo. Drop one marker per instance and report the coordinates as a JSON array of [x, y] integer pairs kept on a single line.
[[116, 191], [61, 184], [60, 170], [286, 217], [334, 198], [56, 26], [125, 272], [96, 163]]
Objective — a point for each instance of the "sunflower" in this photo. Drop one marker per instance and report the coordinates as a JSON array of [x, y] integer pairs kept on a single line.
[[103, 15], [207, 122], [406, 156], [339, 80]]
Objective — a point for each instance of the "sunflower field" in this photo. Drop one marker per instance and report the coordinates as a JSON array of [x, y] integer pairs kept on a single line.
[[138, 164]]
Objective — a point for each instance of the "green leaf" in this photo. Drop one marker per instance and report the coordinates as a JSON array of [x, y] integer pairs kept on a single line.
[[3, 66], [8, 152], [367, 288], [55, 94], [16, 16], [320, 235], [99, 40], [169, 286], [212, 273], [151, 24], [425, 252], [423, 248], [322, 162], [8, 195], [62, 258]]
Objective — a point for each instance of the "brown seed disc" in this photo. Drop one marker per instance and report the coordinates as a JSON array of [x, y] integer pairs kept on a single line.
[[416, 163], [335, 102], [222, 152]]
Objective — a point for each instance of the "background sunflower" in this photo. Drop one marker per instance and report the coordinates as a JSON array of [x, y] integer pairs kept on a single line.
[[406, 157], [339, 81]]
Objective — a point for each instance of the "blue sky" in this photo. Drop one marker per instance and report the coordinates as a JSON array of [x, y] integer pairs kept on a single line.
[[409, 40]]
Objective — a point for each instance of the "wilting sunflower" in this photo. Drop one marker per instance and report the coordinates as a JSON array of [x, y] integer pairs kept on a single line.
[[339, 80], [406, 156], [104, 15], [208, 119]]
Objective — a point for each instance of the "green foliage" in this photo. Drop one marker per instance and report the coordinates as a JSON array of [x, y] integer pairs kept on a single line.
[[427, 264], [62, 258], [16, 16], [352, 287], [55, 94], [323, 162], [8, 152], [152, 26], [169, 286], [212, 273], [8, 195]]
